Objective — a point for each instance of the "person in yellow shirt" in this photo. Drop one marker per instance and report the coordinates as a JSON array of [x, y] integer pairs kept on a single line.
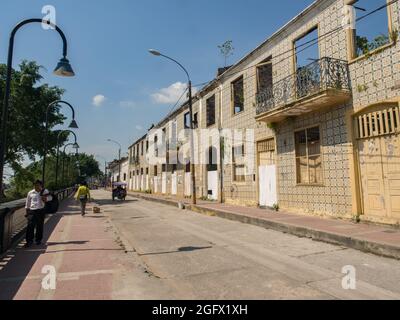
[[83, 196]]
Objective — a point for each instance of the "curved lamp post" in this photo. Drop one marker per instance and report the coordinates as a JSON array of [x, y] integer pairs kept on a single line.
[[63, 68], [75, 145], [192, 166], [73, 125], [105, 168], [63, 159], [119, 158]]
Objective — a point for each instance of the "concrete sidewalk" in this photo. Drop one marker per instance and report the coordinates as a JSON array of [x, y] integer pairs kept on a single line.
[[82, 251], [380, 240]]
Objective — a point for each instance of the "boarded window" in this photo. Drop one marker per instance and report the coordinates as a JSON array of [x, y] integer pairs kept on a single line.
[[239, 168], [210, 111], [378, 123], [308, 156], [238, 95]]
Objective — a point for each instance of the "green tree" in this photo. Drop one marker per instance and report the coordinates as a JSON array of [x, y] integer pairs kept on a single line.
[[76, 169], [28, 103], [364, 46]]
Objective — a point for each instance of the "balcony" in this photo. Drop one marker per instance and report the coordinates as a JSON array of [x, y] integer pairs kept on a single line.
[[323, 83]]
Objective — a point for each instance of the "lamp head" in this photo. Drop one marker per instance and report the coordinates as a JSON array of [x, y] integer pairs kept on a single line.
[[73, 124], [76, 146], [64, 68], [155, 52]]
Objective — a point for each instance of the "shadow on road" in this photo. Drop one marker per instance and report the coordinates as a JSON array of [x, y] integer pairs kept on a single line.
[[182, 249], [104, 202]]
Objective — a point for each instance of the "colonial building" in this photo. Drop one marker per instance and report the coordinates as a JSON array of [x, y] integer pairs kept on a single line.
[[306, 122], [116, 168]]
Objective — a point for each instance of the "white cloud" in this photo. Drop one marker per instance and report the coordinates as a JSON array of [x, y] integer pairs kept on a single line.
[[139, 128], [98, 100], [170, 94], [127, 104]]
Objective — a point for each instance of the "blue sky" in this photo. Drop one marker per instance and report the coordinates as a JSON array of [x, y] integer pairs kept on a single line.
[[108, 42]]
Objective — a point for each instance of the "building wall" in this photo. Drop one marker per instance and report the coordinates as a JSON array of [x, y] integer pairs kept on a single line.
[[339, 194]]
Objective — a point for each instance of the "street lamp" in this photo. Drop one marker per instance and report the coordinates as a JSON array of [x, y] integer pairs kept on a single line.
[[192, 166], [73, 125], [63, 69], [75, 145], [119, 158], [105, 169], [63, 158]]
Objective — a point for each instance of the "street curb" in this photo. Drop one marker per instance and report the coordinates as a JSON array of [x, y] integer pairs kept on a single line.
[[380, 249]]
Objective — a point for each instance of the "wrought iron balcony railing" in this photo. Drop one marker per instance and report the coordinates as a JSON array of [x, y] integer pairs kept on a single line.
[[324, 74]]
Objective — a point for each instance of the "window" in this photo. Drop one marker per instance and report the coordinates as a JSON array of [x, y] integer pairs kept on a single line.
[[238, 165], [308, 156], [164, 168], [306, 54], [210, 110], [238, 95], [147, 145], [212, 159], [147, 171], [142, 148], [155, 171], [264, 75], [373, 32], [379, 122], [124, 176], [156, 146], [195, 120], [187, 120], [141, 171]]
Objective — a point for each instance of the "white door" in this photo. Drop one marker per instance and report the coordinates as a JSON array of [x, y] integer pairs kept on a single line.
[[174, 183], [188, 184], [267, 180], [212, 185], [164, 183], [267, 174], [155, 184]]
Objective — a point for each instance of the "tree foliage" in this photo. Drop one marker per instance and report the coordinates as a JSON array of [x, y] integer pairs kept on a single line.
[[364, 46], [72, 169], [26, 122]]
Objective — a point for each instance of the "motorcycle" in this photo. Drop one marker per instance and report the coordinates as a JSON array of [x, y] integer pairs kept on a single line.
[[119, 191]]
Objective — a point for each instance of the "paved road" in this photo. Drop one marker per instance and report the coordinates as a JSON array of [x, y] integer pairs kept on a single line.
[[190, 256]]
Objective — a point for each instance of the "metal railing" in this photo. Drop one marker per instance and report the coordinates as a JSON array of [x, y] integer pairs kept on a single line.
[[13, 222], [326, 73]]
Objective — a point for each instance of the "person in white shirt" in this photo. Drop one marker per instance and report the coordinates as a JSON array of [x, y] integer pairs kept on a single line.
[[35, 213]]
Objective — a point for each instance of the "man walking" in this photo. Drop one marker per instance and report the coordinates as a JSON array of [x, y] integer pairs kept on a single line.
[[35, 213], [83, 196]]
